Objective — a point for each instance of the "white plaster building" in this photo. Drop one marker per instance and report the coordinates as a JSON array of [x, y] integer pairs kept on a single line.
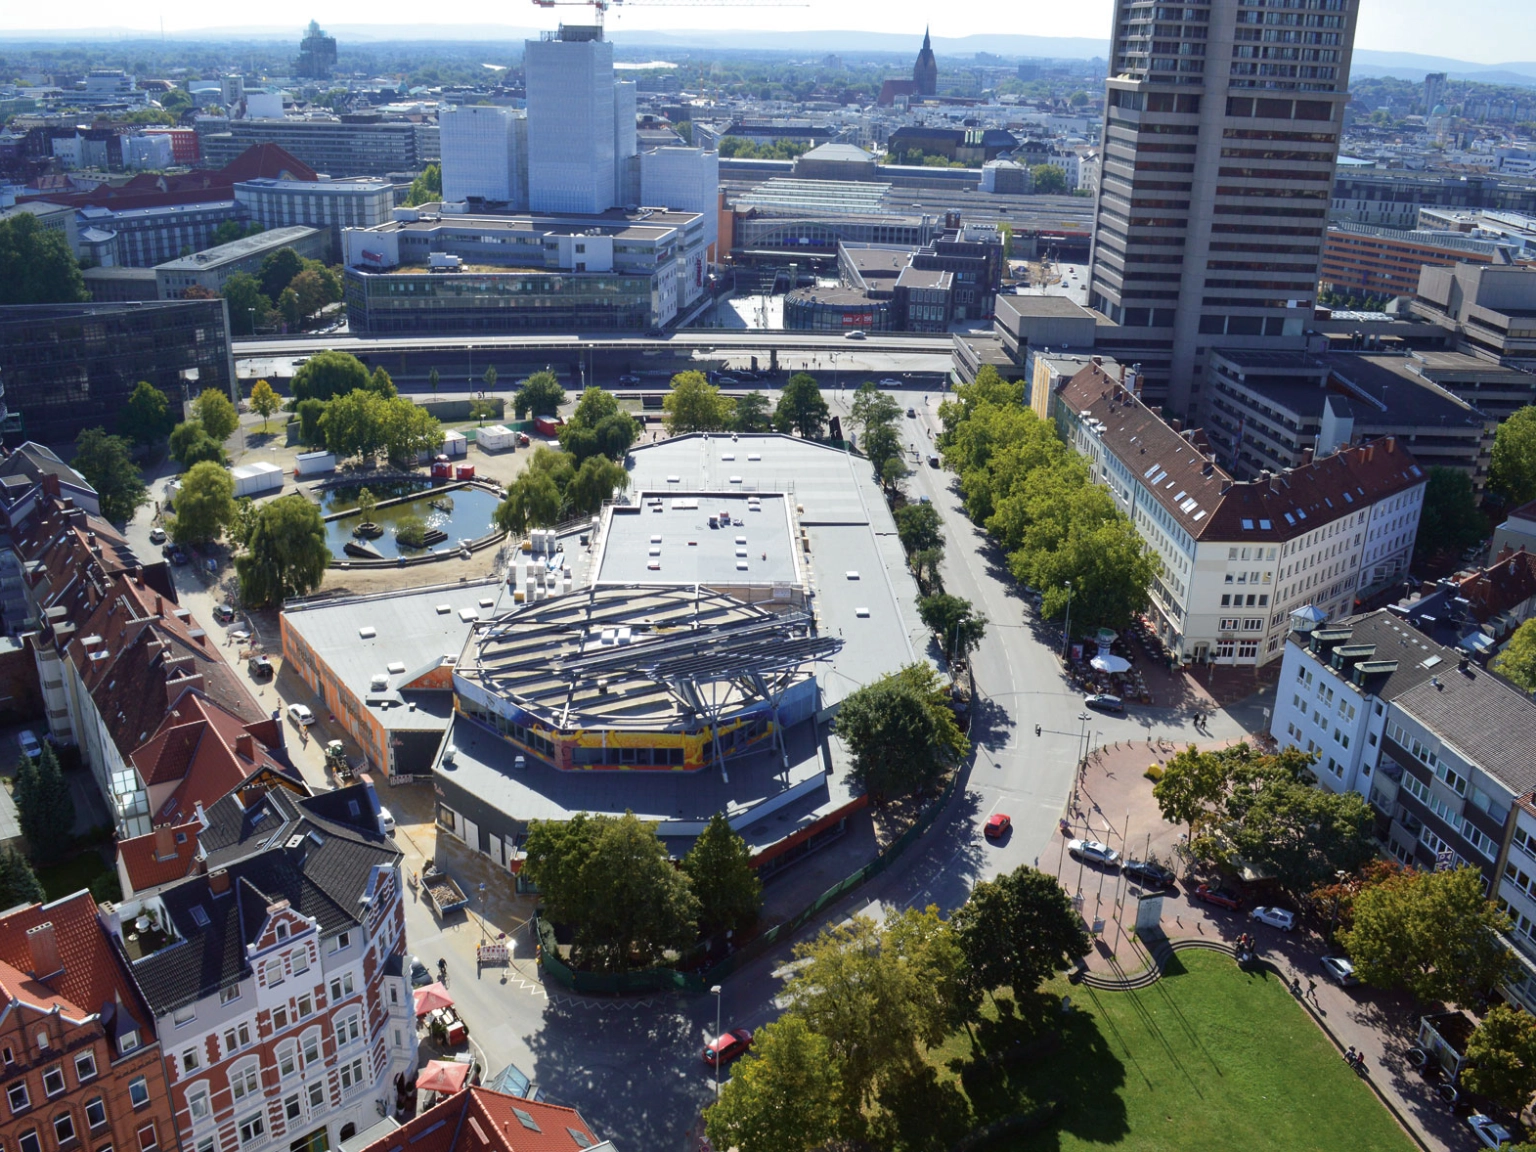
[[485, 154]]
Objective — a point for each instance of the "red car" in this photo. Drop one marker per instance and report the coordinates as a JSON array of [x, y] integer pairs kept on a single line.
[[726, 1048], [998, 826], [1219, 897]]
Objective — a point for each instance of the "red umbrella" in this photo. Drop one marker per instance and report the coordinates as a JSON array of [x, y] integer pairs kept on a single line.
[[431, 998], [443, 1076]]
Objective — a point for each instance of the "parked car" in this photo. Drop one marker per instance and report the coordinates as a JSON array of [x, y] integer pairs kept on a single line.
[[726, 381], [29, 743], [1148, 874], [386, 821], [1094, 852], [998, 826], [629, 378], [1488, 1131], [1279, 918], [889, 382], [1340, 970], [1104, 702], [723, 1049], [420, 976], [177, 556], [259, 667], [933, 460], [856, 334], [1221, 897], [301, 715], [912, 412], [224, 613], [157, 535]]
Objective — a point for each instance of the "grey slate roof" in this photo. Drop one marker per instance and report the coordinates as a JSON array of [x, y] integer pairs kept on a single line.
[[1484, 718], [322, 876]]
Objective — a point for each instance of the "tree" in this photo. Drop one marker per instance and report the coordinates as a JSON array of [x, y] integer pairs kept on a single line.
[[490, 378], [919, 527], [719, 865], [249, 307], [1283, 824], [44, 807], [218, 416], [18, 883], [539, 395], [876, 993], [366, 503], [380, 384], [433, 379], [695, 405], [190, 444], [107, 467], [612, 881], [36, 265], [353, 424], [1501, 1057], [232, 230], [925, 564], [328, 374], [752, 414], [288, 308], [532, 501], [205, 504], [310, 290], [786, 1095], [1048, 180], [1513, 473], [146, 418], [426, 188], [286, 554], [958, 625], [406, 429], [1431, 933], [801, 408], [1191, 788], [901, 732], [177, 102], [593, 484], [1517, 662], [310, 412], [1018, 931], [278, 270], [264, 402], [598, 425], [1451, 521]]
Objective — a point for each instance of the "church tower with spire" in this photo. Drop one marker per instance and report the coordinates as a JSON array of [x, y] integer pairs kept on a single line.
[[925, 73]]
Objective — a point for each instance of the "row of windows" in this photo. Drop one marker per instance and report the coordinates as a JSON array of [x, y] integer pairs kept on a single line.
[[20, 1099], [64, 1133]]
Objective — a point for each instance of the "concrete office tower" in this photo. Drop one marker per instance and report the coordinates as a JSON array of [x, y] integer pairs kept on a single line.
[[1221, 134], [485, 155], [1434, 86], [626, 167], [571, 135], [685, 180]]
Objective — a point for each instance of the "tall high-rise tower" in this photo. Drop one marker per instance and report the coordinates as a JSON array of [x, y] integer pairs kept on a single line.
[[484, 154], [925, 73], [1221, 134], [571, 131]]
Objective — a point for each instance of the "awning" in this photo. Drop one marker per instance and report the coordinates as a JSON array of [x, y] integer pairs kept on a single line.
[[1111, 664], [443, 1076], [431, 998]]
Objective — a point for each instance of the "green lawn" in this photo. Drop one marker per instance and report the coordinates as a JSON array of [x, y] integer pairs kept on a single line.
[[1209, 1057], [69, 876]]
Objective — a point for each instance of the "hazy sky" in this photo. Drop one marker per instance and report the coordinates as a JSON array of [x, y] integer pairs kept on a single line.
[[1486, 31]]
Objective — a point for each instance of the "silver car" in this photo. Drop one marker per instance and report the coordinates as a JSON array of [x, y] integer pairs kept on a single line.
[[1094, 852]]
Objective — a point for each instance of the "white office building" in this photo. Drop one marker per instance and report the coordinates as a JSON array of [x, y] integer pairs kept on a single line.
[[485, 155], [572, 136], [626, 164], [684, 180]]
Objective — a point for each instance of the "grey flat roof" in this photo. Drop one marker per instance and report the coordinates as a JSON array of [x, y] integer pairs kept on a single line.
[[670, 530], [839, 505], [924, 278], [242, 249]]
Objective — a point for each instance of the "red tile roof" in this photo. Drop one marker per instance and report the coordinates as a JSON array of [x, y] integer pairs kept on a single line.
[[92, 975], [1205, 500], [146, 869], [1505, 584], [151, 190], [479, 1120]]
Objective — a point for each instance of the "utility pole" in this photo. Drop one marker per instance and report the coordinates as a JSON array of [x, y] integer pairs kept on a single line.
[[1066, 631]]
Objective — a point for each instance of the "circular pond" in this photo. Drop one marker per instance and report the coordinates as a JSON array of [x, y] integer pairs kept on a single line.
[[446, 512]]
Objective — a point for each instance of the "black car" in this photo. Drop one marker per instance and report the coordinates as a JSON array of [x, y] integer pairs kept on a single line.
[[1148, 874]]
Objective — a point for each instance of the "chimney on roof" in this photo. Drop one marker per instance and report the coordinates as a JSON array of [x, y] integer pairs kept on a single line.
[[1274, 483], [1306, 457], [138, 575], [51, 484], [245, 746], [43, 947], [1226, 486], [1391, 443], [159, 606], [1176, 424], [1369, 451], [165, 842], [218, 882]]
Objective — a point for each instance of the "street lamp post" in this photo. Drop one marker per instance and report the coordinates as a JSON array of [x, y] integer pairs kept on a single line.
[[1066, 631], [715, 990]]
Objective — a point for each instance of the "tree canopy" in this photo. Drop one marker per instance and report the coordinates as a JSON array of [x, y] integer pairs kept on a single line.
[[1018, 931], [610, 878], [364, 423], [36, 265], [1048, 180], [278, 270], [426, 188], [1501, 1057], [18, 883], [752, 414], [801, 408], [719, 866], [329, 374], [264, 401], [1431, 933], [1518, 660], [879, 420], [190, 444], [147, 417], [696, 405], [1451, 520], [249, 307], [205, 504], [539, 395], [598, 426], [1513, 472], [553, 487], [105, 463], [286, 552], [45, 809], [786, 1095], [919, 527], [956, 622], [901, 732], [218, 415]]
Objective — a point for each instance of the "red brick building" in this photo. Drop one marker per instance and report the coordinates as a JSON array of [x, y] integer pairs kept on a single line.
[[479, 1120], [79, 1063]]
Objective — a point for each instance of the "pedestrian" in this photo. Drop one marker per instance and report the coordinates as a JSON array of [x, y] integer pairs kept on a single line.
[[1312, 989]]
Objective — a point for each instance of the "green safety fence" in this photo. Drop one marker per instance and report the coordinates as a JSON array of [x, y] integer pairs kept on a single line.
[[671, 980]]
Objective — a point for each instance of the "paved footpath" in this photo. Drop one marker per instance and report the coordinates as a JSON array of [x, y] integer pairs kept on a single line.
[[1113, 803]]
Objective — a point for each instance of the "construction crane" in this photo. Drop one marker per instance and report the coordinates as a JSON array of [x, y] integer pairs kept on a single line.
[[602, 6]]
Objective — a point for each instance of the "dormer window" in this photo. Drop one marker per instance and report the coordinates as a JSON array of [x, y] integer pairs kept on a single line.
[[282, 930]]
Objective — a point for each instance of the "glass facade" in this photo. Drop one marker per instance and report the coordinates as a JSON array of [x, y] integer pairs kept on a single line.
[[512, 301]]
